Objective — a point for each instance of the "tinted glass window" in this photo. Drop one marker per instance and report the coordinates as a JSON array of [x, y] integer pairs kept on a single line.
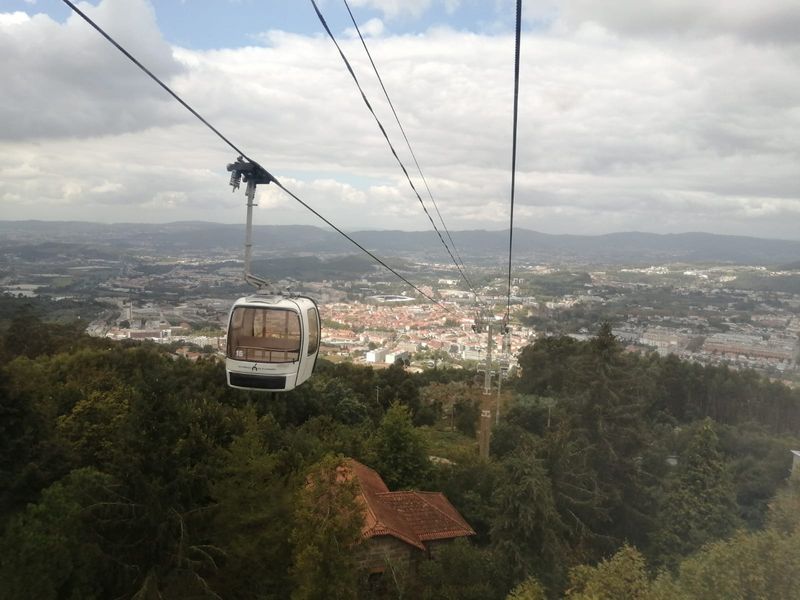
[[264, 335], [313, 331]]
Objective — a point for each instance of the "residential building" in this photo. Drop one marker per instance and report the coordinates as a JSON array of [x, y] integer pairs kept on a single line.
[[401, 528]]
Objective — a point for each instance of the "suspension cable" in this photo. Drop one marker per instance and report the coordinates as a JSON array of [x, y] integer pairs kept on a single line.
[[359, 246], [405, 137], [243, 155], [154, 78], [388, 141], [514, 150]]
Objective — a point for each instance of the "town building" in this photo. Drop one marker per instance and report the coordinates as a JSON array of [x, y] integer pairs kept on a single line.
[[665, 341], [376, 356], [751, 346]]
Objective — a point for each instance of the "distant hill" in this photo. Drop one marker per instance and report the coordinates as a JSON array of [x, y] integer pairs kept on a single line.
[[475, 245], [792, 266]]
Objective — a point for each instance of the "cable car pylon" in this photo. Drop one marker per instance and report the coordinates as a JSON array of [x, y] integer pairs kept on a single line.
[[485, 321]]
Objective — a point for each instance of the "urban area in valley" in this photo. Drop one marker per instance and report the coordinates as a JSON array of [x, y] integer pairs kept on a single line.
[[714, 312]]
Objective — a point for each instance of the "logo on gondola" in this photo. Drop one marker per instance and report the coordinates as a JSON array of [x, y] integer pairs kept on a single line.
[[255, 367]]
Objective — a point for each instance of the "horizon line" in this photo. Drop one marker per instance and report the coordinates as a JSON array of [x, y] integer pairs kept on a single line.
[[608, 233]]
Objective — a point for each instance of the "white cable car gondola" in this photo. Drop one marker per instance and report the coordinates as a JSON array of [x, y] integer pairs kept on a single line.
[[273, 340]]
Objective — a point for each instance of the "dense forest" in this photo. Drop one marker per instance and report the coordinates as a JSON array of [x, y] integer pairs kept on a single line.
[[126, 472]]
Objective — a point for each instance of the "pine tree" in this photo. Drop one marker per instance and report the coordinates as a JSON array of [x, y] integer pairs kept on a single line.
[[252, 521], [700, 505], [328, 521], [527, 530], [606, 416], [399, 452], [624, 575]]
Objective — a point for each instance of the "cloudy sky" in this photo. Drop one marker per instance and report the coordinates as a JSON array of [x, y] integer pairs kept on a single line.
[[648, 115]]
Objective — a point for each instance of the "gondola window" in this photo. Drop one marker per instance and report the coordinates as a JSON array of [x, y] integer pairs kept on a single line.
[[313, 331], [265, 335]]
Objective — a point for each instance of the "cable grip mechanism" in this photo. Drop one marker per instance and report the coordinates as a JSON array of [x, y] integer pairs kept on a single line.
[[250, 171]]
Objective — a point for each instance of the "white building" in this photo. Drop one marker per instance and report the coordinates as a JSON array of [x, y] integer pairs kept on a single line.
[[472, 354], [376, 356]]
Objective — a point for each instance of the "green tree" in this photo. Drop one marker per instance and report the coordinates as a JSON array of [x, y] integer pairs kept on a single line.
[[53, 550], [467, 412], [547, 367], [27, 335], [350, 411], [399, 451], [607, 417], [92, 427], [624, 575], [530, 589], [469, 485], [758, 464], [699, 505], [327, 528], [763, 564], [460, 571], [252, 520], [578, 493], [21, 430], [527, 530], [784, 511], [755, 565]]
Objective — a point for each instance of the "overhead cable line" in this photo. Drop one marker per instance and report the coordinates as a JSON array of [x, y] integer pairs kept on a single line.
[[388, 141], [243, 155], [154, 78], [360, 247], [405, 137], [514, 151]]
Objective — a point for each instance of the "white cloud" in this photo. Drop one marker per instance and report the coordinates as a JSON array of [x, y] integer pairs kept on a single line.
[[372, 28], [64, 79], [773, 21], [664, 130], [393, 9], [9, 20]]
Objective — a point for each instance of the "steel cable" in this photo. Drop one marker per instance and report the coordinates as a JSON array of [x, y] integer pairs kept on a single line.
[[388, 141], [245, 156], [514, 150]]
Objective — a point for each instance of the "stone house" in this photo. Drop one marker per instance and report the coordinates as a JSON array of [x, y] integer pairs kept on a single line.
[[401, 529]]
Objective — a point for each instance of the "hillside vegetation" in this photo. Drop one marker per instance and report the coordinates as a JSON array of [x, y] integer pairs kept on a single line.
[[126, 472]]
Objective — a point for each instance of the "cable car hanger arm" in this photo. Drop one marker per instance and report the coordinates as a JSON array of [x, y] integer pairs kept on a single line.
[[252, 173]]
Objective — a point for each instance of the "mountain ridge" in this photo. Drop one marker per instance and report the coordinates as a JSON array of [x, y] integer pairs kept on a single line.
[[632, 247]]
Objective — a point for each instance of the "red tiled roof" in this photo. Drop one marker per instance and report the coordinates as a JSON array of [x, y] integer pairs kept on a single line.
[[429, 514], [414, 517]]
